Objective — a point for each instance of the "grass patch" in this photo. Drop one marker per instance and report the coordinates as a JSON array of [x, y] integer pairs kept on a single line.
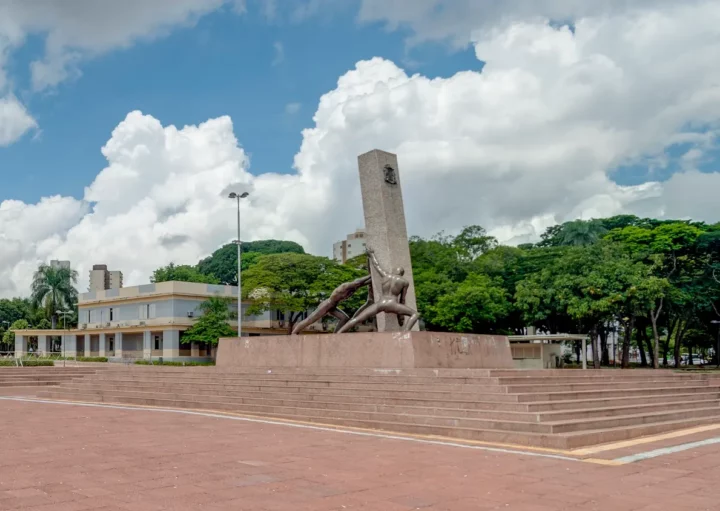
[[173, 364], [33, 362], [82, 359]]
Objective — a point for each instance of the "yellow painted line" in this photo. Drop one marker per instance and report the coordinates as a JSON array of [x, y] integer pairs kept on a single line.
[[600, 461], [643, 440]]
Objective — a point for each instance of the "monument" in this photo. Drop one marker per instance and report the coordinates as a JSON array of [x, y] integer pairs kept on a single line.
[[380, 186], [398, 343]]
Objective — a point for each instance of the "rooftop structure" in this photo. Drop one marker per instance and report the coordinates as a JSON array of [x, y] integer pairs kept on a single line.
[[352, 246]]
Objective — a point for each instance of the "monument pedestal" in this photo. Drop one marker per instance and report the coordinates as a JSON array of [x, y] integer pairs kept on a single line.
[[377, 350]]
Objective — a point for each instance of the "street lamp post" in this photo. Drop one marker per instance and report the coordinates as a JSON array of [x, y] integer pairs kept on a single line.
[[239, 196], [64, 314], [717, 346]]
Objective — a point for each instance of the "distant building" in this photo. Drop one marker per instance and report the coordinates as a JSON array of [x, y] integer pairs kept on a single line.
[[102, 279], [55, 264], [351, 247]]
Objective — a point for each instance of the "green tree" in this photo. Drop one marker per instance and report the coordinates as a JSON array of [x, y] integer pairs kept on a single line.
[[8, 338], [54, 289], [295, 283], [12, 309], [213, 323], [223, 262], [476, 305], [181, 273]]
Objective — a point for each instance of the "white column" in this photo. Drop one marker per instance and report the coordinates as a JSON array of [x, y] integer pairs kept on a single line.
[[102, 346], [70, 341], [584, 353], [43, 348], [171, 344], [118, 344], [147, 344], [88, 346], [20, 346]]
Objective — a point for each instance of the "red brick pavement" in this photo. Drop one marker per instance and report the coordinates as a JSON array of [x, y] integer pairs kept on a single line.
[[69, 458]]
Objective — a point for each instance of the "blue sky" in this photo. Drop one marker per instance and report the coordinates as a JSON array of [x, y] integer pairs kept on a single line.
[[243, 66]]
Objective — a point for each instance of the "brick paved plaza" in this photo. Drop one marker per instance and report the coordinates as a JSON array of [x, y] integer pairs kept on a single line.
[[60, 457]]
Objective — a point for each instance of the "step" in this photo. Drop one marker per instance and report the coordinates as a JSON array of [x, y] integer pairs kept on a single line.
[[430, 380], [558, 441], [211, 389], [328, 400], [621, 409], [594, 379], [581, 404], [581, 387], [617, 393], [29, 384], [489, 413], [524, 423], [312, 384], [618, 434]]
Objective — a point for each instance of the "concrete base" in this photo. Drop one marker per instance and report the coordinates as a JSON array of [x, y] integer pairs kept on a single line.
[[391, 350]]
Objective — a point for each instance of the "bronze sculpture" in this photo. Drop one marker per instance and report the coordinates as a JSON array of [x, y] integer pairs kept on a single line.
[[393, 289], [330, 306]]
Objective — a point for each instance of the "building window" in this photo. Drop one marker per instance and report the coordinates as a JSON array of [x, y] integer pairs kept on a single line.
[[111, 314], [158, 342], [111, 344]]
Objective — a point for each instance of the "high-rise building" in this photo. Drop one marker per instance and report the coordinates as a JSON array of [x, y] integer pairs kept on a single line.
[[55, 264], [101, 278], [352, 246]]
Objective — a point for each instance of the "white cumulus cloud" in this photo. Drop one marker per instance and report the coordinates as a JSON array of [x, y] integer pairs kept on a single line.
[[531, 140]]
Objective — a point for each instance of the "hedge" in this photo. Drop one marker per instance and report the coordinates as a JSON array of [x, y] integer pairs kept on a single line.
[[174, 364], [9, 362]]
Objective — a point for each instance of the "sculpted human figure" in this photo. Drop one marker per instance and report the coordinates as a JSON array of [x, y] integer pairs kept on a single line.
[[330, 306], [393, 289]]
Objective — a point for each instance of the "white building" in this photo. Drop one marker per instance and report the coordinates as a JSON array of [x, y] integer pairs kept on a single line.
[[144, 322], [102, 279], [351, 247], [55, 264]]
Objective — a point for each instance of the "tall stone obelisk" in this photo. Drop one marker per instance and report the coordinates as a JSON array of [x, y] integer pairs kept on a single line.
[[385, 223]]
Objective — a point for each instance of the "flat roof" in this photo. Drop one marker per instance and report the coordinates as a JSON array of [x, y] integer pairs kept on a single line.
[[192, 289]]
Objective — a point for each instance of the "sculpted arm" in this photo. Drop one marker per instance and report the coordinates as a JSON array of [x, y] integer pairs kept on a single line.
[[376, 263]]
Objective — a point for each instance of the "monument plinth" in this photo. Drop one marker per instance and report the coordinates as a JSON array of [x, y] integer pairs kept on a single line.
[[377, 350]]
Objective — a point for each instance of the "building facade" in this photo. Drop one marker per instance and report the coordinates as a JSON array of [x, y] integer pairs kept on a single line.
[[352, 246], [102, 279], [144, 322]]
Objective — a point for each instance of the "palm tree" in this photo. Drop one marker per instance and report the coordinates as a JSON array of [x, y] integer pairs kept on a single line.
[[53, 289], [581, 232]]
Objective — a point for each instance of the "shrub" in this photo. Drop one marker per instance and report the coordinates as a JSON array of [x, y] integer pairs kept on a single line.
[[33, 362], [174, 364]]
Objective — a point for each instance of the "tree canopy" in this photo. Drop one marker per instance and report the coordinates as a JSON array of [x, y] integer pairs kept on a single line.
[[182, 273], [221, 266], [213, 323], [295, 283], [654, 282]]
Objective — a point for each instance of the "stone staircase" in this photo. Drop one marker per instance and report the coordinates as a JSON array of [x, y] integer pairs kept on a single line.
[[561, 409], [24, 377]]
